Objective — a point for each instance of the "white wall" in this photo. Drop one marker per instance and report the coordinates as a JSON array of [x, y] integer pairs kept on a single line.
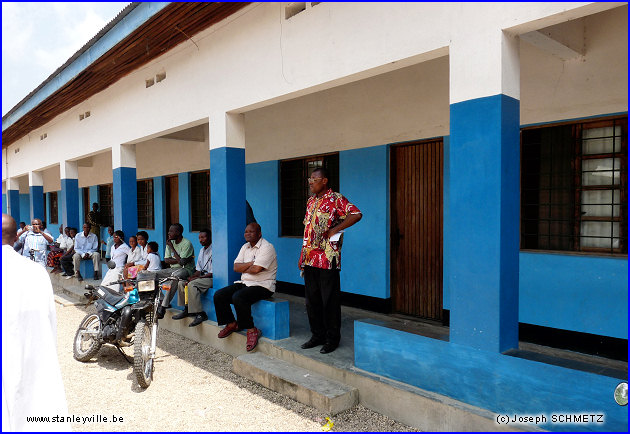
[[158, 157], [597, 83], [406, 104], [256, 58]]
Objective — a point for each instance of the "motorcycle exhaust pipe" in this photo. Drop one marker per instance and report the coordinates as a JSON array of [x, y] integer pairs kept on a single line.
[[125, 322]]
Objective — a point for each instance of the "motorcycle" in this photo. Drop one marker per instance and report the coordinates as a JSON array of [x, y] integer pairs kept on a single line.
[[124, 319]]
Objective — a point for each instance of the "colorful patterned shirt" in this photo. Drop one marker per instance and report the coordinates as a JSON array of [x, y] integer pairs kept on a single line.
[[322, 214]]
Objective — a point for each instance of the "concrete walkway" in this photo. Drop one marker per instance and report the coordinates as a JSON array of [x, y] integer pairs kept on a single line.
[[415, 407]]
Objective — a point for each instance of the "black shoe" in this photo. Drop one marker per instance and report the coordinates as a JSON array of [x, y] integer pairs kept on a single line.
[[328, 348], [182, 315], [199, 318], [95, 276], [161, 310], [79, 277], [312, 342]]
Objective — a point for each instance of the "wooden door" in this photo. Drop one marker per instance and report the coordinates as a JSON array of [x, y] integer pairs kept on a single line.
[[416, 232], [87, 206], [172, 200]]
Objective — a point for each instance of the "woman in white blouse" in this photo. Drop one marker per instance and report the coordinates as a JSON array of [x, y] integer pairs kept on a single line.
[[118, 254]]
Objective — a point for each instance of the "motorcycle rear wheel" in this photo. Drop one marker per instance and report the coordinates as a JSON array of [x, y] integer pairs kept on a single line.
[[86, 347], [142, 361]]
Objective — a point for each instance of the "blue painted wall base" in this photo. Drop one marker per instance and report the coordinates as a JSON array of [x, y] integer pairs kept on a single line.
[[487, 379], [13, 204], [270, 316], [36, 202]]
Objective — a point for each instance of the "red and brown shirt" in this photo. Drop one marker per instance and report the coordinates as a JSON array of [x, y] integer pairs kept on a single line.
[[322, 214]]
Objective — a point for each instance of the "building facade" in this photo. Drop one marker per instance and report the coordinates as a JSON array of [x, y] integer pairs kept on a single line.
[[485, 144]]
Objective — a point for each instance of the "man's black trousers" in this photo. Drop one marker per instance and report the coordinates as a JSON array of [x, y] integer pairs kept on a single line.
[[323, 303], [242, 297]]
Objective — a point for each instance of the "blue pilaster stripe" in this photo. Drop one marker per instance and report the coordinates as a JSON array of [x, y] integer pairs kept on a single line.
[[483, 213], [36, 202], [69, 203], [13, 202], [125, 192], [227, 184]]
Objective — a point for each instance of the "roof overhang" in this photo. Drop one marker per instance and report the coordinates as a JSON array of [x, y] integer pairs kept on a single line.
[[140, 33]]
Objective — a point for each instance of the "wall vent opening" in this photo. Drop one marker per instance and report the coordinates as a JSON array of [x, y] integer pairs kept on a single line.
[[150, 82], [161, 76], [87, 114], [81, 116], [293, 9]]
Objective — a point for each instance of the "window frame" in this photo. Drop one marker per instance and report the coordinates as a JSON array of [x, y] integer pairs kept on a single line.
[[106, 219], [577, 127], [196, 225], [286, 228], [146, 207]]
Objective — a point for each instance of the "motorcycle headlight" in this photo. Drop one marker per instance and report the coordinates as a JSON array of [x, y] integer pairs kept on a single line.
[[146, 286]]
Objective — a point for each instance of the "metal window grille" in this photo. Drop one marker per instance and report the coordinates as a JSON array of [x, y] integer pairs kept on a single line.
[[200, 200], [145, 204], [574, 187], [106, 203]]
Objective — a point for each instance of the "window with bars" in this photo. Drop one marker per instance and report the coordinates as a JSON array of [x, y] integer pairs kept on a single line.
[[200, 200], [574, 187], [106, 204], [54, 208], [145, 204], [294, 190]]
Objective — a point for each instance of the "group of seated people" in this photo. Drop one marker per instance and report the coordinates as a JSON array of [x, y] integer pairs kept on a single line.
[[256, 262]]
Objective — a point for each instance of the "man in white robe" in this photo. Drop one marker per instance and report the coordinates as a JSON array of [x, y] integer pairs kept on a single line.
[[31, 376]]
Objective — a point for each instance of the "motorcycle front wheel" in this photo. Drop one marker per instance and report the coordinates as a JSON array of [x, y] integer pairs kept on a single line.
[[87, 341], [142, 361]]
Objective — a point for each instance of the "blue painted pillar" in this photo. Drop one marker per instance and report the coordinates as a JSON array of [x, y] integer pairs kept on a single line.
[[69, 200], [13, 199], [227, 197], [159, 205], [36, 195], [125, 189], [483, 199]]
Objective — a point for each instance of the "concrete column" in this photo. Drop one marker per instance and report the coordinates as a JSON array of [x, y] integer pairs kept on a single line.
[[125, 190], [482, 227], [13, 198], [69, 200], [36, 195], [227, 192]]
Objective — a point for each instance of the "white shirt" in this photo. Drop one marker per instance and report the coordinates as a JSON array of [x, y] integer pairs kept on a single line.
[[31, 377], [64, 241], [134, 254], [83, 244], [119, 254], [264, 255], [154, 262], [204, 261]]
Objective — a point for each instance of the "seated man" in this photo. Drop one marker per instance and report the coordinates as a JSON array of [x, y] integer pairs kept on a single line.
[[85, 247], [257, 261], [66, 258], [198, 283], [179, 255]]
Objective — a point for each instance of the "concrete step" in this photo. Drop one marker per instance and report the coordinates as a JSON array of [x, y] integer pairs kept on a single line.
[[297, 383], [65, 300]]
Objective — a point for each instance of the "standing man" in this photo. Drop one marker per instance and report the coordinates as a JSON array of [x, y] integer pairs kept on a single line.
[[257, 261], [327, 215], [179, 255], [35, 242], [31, 378], [94, 219], [85, 247], [198, 283]]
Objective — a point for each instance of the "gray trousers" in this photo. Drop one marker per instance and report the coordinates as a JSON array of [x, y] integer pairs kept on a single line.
[[76, 261], [195, 289], [181, 273]]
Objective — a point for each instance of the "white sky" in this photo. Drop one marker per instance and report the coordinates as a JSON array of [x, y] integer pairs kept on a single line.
[[37, 38]]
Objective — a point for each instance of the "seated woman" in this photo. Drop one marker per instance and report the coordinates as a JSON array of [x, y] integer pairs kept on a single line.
[[118, 254]]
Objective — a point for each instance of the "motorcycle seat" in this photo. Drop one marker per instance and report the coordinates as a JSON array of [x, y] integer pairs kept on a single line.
[[110, 296]]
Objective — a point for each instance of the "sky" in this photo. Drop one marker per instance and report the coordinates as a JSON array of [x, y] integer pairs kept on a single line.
[[37, 38]]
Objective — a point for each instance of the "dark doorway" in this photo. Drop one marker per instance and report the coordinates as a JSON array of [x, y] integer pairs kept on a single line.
[[416, 215], [172, 200]]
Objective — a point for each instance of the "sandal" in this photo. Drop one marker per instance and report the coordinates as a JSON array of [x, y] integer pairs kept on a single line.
[[252, 338]]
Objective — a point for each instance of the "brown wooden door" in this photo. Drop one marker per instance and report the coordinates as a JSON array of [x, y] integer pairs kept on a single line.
[[416, 232], [172, 200]]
